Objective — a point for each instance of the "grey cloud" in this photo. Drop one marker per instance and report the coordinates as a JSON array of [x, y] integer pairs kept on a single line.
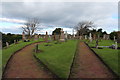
[[64, 14]]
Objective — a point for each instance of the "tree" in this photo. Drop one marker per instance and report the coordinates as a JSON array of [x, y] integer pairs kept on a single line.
[[57, 31], [112, 34], [31, 26], [83, 27]]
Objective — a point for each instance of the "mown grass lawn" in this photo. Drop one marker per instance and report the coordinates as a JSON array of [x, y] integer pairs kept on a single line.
[[7, 52], [58, 57], [109, 56]]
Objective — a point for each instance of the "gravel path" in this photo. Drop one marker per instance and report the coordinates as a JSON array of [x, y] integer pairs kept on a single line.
[[24, 65], [88, 65]]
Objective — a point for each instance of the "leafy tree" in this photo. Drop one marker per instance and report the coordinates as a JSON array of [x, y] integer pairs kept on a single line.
[[112, 34], [57, 31]]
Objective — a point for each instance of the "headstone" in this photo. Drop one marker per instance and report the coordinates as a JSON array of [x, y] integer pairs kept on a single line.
[[97, 43], [104, 36], [62, 36], [107, 37], [98, 36], [114, 38], [7, 44], [94, 36], [15, 41], [85, 36], [80, 37], [66, 35], [116, 45], [36, 37], [57, 37], [23, 36], [36, 48], [46, 37], [90, 37]]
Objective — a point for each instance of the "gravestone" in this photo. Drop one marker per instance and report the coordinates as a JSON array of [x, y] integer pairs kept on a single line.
[[15, 41], [62, 36], [36, 48], [94, 36], [80, 37], [116, 45], [107, 37], [98, 36], [90, 37], [46, 37], [36, 37], [85, 36], [97, 43], [114, 38], [66, 35], [23, 36], [7, 44], [104, 36], [57, 37]]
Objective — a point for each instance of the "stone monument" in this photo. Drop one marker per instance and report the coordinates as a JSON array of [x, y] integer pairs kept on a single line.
[[62, 36], [46, 36]]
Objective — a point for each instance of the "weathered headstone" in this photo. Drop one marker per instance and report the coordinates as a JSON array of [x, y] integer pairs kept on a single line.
[[62, 36], [36, 37], [94, 36], [14, 41], [7, 44], [97, 43], [85, 36], [66, 35], [114, 38], [98, 36], [36, 48], [46, 37], [80, 37], [107, 37], [90, 37], [104, 36], [23, 36], [116, 45]]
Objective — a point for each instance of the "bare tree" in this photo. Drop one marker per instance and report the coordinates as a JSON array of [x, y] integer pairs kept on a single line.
[[83, 27], [31, 26]]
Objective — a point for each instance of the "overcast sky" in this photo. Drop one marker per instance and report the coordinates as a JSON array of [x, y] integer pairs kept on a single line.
[[58, 14]]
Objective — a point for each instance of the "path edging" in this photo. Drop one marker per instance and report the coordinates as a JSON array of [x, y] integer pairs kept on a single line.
[[13, 55], [102, 61], [73, 59], [39, 61]]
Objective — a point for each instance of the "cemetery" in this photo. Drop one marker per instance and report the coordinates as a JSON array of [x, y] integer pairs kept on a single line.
[[58, 53], [69, 41]]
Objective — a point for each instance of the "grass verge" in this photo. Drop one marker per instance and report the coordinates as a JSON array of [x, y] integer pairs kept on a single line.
[[7, 52], [109, 56], [58, 57]]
